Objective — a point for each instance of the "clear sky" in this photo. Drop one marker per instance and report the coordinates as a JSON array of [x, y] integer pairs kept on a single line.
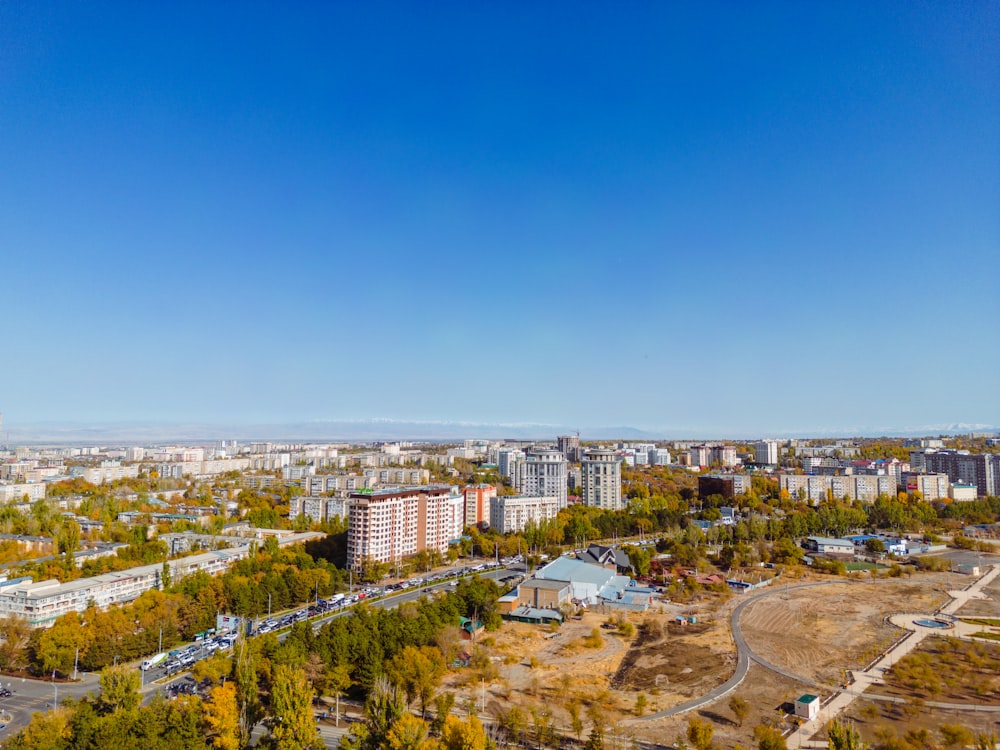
[[706, 217]]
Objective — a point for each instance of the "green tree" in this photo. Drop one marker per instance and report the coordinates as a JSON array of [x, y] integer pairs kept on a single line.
[[247, 691], [844, 736], [292, 724]]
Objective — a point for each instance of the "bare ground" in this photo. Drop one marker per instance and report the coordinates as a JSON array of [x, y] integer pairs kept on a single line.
[[814, 632]]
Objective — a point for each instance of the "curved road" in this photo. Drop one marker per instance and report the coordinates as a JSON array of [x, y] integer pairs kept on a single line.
[[744, 655]]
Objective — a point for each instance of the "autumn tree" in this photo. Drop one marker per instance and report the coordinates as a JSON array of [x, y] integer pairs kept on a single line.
[[768, 738], [222, 718], [740, 709], [119, 689], [417, 672], [463, 735], [844, 736], [408, 733], [292, 724], [699, 733]]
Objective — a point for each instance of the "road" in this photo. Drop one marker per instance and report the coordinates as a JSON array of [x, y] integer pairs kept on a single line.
[[865, 679], [32, 696]]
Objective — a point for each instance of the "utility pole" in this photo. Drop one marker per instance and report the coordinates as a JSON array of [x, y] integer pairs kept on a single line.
[[268, 605], [76, 662]]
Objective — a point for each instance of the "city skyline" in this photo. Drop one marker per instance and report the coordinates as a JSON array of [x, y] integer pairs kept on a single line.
[[692, 220]]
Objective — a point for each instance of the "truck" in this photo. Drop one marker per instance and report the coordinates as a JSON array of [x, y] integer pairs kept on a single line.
[[152, 661]]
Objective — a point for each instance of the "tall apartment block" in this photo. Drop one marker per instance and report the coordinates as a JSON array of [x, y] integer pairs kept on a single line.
[[542, 473], [387, 525], [962, 467], [477, 504], [601, 474], [507, 459], [766, 452], [569, 445]]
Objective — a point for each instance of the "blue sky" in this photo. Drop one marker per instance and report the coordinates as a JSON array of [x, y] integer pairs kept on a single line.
[[703, 218]]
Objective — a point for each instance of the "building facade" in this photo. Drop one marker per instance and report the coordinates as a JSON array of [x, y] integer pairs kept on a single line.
[[601, 479], [509, 514], [389, 524], [980, 469], [569, 446], [542, 473], [816, 489], [477, 504], [766, 452]]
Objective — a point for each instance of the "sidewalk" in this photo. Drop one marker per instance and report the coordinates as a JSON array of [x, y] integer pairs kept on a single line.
[[802, 737]]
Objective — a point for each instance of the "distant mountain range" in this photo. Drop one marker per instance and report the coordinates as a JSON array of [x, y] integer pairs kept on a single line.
[[390, 429]]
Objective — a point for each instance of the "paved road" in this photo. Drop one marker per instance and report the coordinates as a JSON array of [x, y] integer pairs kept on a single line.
[[868, 678], [744, 655]]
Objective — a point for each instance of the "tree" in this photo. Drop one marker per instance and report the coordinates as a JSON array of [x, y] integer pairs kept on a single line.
[[463, 735], [222, 718], [417, 672], [640, 704], [768, 738], [955, 734], [843, 736], [408, 733], [247, 692], [699, 733], [875, 546], [292, 723], [740, 709], [119, 689]]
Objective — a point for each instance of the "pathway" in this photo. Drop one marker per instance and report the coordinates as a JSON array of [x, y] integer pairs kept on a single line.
[[873, 675]]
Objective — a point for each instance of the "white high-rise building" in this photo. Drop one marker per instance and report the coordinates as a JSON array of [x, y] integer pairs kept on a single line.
[[601, 472], [542, 473], [766, 452]]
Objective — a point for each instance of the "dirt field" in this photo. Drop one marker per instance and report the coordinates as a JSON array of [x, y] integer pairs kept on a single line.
[[819, 632], [989, 607], [816, 632]]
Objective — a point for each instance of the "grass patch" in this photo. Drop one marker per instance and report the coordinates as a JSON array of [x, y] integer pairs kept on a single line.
[[987, 634], [990, 622], [861, 566]]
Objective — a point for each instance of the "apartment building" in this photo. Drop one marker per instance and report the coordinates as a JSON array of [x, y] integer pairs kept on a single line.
[[542, 473], [980, 469], [389, 524], [318, 509], [726, 485], [766, 452], [816, 489], [322, 484], [42, 602], [930, 486], [509, 514], [17, 491], [601, 478], [569, 446], [713, 455], [477, 504]]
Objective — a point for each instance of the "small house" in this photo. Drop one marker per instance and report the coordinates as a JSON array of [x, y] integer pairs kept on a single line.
[[807, 706]]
